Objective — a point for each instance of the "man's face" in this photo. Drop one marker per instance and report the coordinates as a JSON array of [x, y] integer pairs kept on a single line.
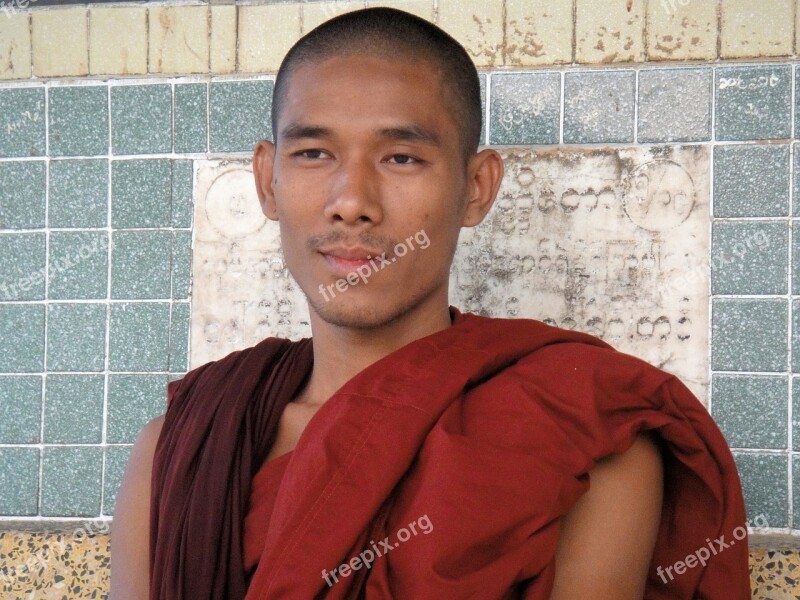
[[367, 179]]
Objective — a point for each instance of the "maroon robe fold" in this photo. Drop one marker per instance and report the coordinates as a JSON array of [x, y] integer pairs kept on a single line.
[[478, 438]]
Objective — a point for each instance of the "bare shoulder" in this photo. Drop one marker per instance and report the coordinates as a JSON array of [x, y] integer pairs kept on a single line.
[[130, 534], [611, 531]]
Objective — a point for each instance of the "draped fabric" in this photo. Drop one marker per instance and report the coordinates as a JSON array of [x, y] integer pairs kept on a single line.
[[450, 461]]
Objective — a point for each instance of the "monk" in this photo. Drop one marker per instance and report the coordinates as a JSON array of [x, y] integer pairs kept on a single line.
[[408, 450]]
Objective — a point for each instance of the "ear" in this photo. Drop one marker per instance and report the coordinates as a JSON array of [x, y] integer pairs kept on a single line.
[[485, 173], [263, 171]]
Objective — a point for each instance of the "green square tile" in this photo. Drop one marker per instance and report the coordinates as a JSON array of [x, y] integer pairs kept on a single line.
[[141, 119], [796, 345], [751, 180], [78, 119], [796, 491], [140, 193], [752, 411], [525, 108], [132, 401], [76, 337], [191, 109], [19, 481], [21, 407], [181, 264], [71, 481], [765, 481], [796, 417], [73, 409], [667, 116], [482, 79], [179, 338], [22, 270], [23, 194], [78, 266], [749, 257], [116, 461], [140, 264], [139, 336], [78, 193], [599, 106], [182, 193], [796, 257], [21, 338], [754, 103], [796, 181], [239, 114], [22, 122], [749, 335]]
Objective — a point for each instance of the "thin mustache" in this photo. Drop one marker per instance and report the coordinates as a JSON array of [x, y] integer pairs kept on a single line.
[[316, 242]]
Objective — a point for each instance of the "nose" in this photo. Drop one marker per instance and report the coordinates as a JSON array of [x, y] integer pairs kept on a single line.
[[354, 194]]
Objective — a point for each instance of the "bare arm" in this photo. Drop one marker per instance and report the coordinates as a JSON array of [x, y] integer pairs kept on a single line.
[[608, 537], [130, 533]]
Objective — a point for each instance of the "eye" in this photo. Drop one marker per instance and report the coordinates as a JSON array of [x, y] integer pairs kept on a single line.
[[407, 160], [302, 153]]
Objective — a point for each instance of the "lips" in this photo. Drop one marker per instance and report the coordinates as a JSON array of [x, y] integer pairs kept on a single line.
[[343, 261]]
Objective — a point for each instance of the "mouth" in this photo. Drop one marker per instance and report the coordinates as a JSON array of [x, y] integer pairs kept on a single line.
[[343, 261]]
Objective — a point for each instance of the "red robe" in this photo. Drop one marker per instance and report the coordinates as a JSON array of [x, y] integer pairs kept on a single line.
[[450, 461]]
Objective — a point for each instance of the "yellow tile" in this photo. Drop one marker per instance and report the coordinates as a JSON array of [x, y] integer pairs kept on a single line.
[[681, 30], [609, 32], [179, 39], [265, 35], [117, 41], [15, 46], [318, 12], [223, 39], [60, 42], [478, 26], [751, 29], [538, 33], [421, 8]]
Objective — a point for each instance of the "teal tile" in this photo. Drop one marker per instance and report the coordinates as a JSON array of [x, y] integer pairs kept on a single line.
[[22, 194], [21, 407], [78, 193], [76, 337], [19, 481], [179, 338], [191, 109], [140, 193], [21, 338], [525, 108], [73, 409], [22, 122], [78, 266], [796, 342], [796, 414], [751, 180], [141, 119], [753, 103], [749, 335], [796, 182], [599, 106], [482, 79], [139, 336], [132, 401], [78, 120], [181, 264], [674, 105], [239, 114], [140, 264], [765, 480], [182, 193], [22, 270], [796, 257], [116, 461], [796, 491], [71, 481], [752, 411], [749, 257]]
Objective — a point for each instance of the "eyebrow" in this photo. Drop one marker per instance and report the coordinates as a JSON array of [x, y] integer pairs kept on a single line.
[[403, 133]]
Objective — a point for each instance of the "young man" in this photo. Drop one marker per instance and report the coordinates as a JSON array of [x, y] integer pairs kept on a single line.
[[408, 450]]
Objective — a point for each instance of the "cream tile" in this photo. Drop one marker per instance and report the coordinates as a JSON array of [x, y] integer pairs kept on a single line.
[[478, 26], [538, 34], [117, 41], [265, 35], [681, 30], [421, 8], [51, 56], [609, 32], [223, 39], [15, 46], [751, 30], [179, 39], [318, 12]]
